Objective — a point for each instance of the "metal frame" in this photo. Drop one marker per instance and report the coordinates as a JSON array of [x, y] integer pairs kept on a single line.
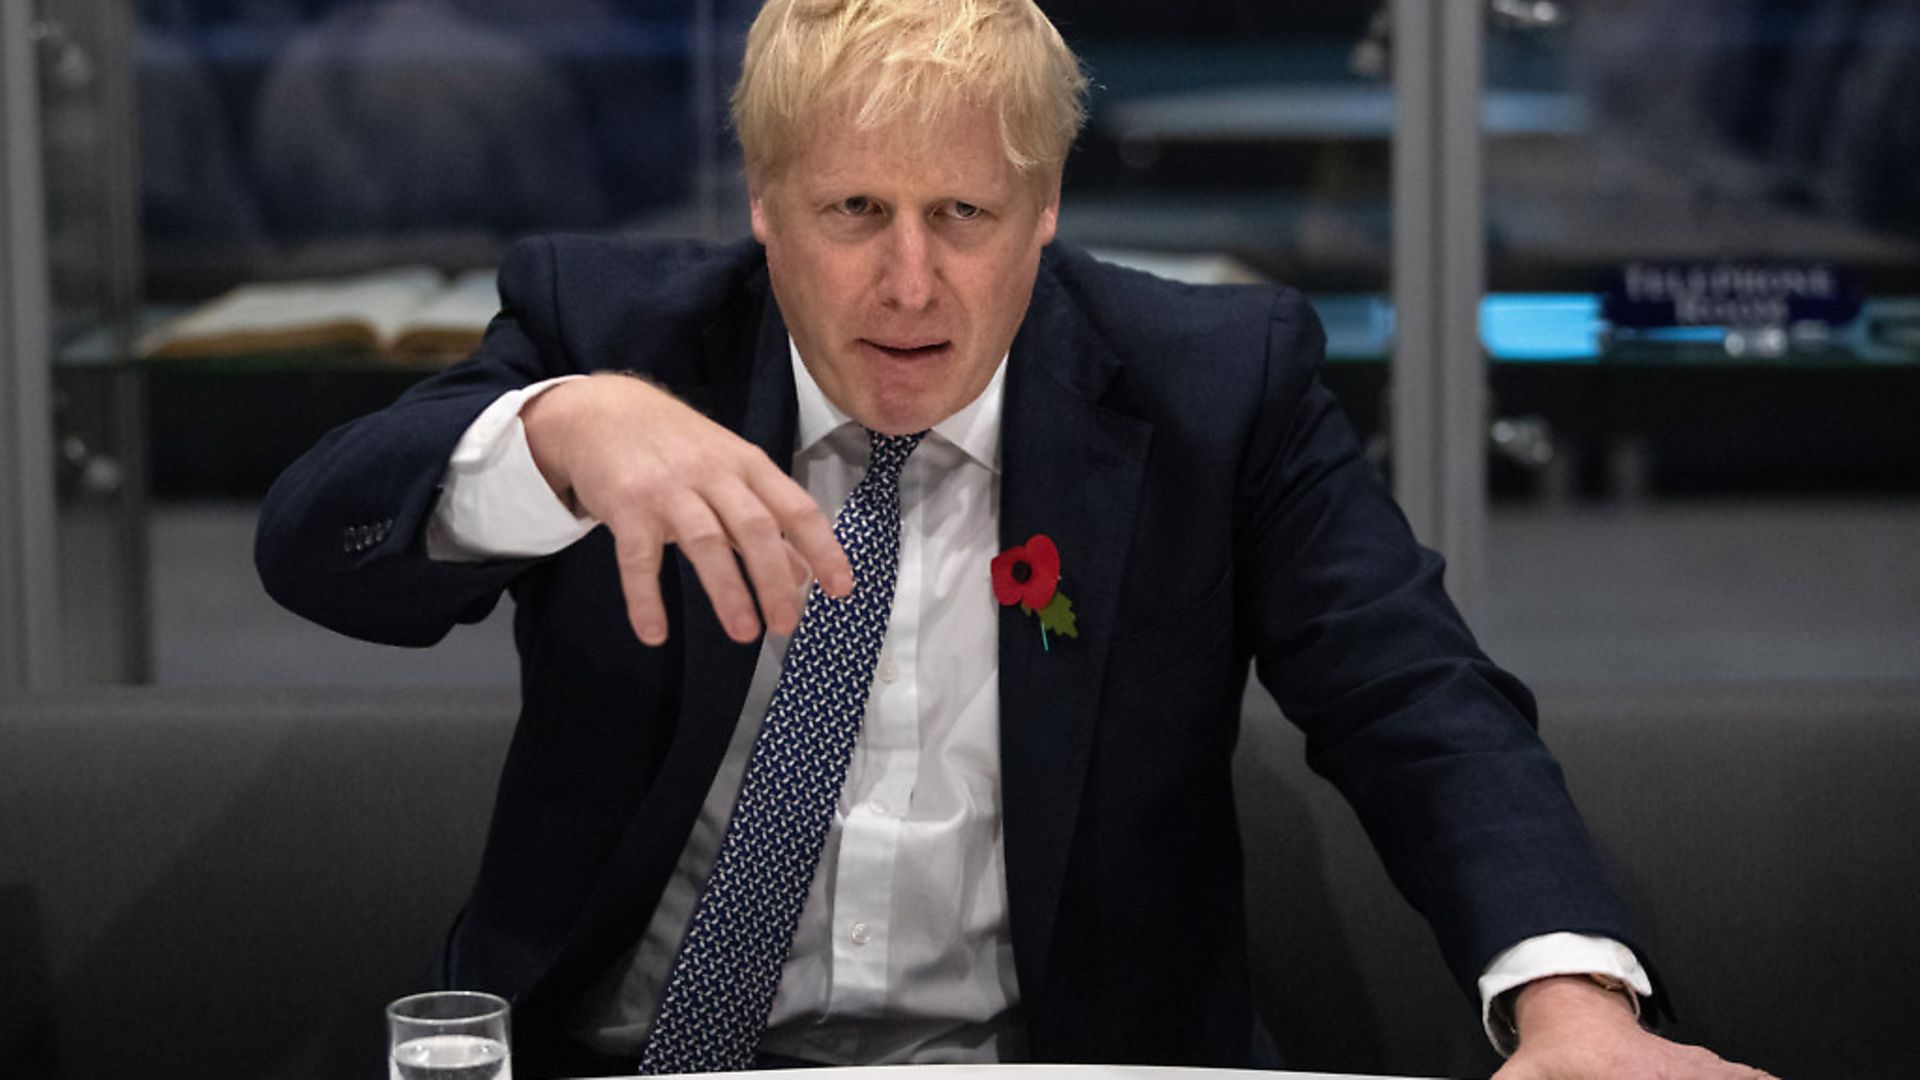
[[1438, 388], [29, 601], [116, 23]]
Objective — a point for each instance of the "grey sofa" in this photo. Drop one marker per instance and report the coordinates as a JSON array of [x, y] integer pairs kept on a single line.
[[233, 885]]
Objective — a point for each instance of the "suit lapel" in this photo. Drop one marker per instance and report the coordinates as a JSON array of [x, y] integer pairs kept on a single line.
[[1073, 470]]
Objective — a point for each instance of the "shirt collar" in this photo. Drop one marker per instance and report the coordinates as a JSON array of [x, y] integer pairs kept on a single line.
[[975, 429]]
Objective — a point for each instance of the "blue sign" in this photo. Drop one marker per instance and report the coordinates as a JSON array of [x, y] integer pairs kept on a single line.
[[1732, 294]]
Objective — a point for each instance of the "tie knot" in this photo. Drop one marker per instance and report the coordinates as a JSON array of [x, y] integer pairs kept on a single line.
[[889, 454]]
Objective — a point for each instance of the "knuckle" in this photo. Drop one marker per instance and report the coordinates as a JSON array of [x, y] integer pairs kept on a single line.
[[755, 525], [704, 538], [747, 457], [794, 505], [636, 552], [694, 468], [637, 487]]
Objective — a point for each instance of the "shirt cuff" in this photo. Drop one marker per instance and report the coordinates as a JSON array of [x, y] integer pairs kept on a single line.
[[494, 504], [1546, 956]]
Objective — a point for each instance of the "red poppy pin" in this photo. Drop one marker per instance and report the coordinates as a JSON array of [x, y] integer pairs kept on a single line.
[[1029, 575]]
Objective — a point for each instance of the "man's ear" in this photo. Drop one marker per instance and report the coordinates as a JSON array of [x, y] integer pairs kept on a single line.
[[1050, 214], [757, 212]]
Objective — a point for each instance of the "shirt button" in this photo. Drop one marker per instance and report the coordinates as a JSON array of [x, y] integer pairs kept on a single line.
[[888, 671], [860, 933], [879, 806]]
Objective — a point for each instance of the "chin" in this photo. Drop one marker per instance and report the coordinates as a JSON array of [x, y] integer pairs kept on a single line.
[[906, 418], [908, 410], [895, 423], [901, 400]]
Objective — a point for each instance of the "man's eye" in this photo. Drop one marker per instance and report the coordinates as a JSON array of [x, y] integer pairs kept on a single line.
[[855, 206], [964, 211]]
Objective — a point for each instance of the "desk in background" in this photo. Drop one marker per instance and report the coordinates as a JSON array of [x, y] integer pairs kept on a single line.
[[1675, 415]]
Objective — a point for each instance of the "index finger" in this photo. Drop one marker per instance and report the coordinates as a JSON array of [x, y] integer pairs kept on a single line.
[[806, 528]]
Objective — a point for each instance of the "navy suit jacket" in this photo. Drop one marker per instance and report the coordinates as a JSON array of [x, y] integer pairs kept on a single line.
[[1212, 509]]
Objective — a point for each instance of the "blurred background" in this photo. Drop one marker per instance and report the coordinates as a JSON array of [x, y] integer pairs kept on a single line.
[[1666, 501], [1695, 292]]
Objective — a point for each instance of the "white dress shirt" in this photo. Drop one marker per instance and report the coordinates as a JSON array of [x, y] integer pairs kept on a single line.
[[903, 951]]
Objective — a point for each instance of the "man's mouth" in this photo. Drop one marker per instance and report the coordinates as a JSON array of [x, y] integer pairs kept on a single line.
[[908, 350]]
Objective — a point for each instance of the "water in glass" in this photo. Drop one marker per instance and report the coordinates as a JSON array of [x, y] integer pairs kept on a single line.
[[451, 1057]]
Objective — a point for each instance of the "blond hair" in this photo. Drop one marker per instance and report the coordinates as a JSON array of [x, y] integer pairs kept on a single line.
[[885, 60]]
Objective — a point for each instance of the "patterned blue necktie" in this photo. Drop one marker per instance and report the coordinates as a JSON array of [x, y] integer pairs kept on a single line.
[[721, 988]]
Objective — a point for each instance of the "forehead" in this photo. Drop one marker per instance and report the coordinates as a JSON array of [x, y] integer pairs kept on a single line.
[[958, 144]]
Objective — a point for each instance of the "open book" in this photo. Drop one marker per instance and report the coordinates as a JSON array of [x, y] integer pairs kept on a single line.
[[1193, 268], [412, 312]]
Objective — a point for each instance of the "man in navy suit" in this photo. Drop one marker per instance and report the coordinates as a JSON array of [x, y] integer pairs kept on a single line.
[[1034, 854]]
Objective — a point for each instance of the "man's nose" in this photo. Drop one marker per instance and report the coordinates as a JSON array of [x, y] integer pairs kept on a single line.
[[907, 273]]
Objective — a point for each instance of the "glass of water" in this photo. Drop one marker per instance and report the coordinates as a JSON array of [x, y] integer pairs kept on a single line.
[[448, 1035]]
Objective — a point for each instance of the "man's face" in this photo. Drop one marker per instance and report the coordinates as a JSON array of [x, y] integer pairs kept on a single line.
[[903, 261]]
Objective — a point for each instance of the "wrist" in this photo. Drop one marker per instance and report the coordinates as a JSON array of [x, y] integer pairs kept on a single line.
[[1560, 1002], [551, 422]]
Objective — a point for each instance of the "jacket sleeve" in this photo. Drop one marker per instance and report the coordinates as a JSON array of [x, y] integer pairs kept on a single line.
[[1434, 746], [341, 535]]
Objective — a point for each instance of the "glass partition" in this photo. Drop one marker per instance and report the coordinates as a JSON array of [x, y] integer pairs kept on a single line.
[[1702, 329]]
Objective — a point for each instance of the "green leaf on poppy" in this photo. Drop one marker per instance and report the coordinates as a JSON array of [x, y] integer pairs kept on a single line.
[[1057, 616]]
